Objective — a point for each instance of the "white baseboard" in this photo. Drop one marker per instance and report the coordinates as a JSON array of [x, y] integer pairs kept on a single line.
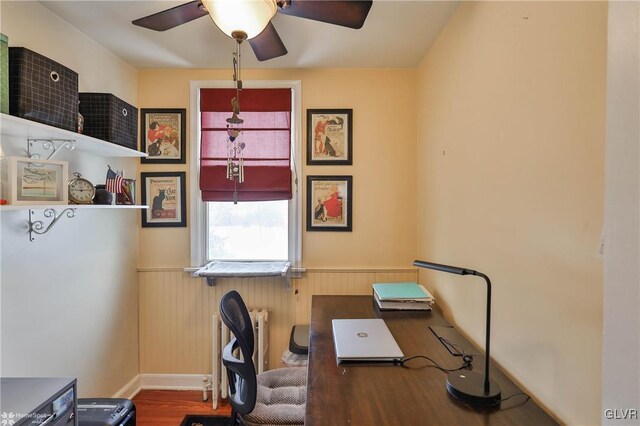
[[129, 390], [161, 382], [173, 381]]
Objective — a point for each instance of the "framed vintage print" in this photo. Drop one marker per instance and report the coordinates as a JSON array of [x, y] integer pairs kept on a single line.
[[163, 135], [329, 136], [329, 200], [165, 195], [36, 181]]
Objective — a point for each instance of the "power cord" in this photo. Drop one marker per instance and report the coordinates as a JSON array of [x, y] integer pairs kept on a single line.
[[452, 347], [526, 399], [466, 363], [467, 360]]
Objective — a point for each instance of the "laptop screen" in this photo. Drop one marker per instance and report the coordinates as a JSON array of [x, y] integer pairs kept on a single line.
[[364, 340]]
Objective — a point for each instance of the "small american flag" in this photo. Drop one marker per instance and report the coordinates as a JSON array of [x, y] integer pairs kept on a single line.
[[114, 182]]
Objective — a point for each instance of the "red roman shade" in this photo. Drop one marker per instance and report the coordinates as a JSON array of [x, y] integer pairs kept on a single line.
[[267, 135]]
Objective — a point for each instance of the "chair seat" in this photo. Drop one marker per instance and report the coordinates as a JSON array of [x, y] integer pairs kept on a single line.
[[281, 398]]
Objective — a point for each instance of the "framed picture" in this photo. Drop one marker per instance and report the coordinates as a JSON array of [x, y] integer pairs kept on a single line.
[[163, 135], [36, 181], [329, 136], [165, 194], [329, 203]]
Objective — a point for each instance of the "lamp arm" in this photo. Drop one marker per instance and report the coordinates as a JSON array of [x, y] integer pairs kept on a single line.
[[487, 332]]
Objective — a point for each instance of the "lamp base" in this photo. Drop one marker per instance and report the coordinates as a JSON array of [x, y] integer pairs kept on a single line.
[[468, 387]]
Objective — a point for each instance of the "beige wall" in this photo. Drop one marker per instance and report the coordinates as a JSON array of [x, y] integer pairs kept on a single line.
[[31, 25], [511, 111], [175, 309], [70, 299], [384, 132]]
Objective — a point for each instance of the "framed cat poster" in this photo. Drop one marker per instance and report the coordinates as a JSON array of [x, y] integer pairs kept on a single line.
[[330, 137], [164, 194], [162, 135]]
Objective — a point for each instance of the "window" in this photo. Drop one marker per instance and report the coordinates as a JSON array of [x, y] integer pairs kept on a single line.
[[248, 230]]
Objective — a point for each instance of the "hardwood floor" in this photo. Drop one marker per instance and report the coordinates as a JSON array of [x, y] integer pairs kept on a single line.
[[168, 408]]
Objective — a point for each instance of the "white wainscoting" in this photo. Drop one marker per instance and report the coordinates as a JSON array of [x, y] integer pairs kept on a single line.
[[176, 309]]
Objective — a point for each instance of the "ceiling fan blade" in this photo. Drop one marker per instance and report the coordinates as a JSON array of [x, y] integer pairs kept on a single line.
[[346, 13], [173, 17], [267, 44]]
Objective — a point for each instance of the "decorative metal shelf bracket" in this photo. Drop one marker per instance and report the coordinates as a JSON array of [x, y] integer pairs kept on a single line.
[[38, 227], [52, 145]]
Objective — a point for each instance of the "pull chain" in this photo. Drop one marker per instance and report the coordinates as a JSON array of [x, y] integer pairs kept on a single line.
[[237, 67], [235, 171]]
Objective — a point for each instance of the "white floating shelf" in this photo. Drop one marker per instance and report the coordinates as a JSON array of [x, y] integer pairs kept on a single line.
[[27, 129], [10, 207]]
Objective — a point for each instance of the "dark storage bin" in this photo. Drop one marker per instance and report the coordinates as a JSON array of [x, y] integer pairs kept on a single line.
[[299, 340], [42, 90], [109, 118], [297, 354]]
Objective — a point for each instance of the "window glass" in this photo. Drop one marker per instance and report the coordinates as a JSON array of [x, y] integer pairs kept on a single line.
[[248, 230]]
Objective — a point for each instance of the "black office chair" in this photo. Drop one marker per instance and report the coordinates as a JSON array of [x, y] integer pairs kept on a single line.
[[275, 397]]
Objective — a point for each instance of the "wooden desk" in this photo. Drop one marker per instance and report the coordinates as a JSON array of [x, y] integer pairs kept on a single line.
[[386, 394]]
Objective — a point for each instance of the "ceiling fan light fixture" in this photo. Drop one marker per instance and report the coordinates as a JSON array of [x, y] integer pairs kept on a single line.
[[248, 16]]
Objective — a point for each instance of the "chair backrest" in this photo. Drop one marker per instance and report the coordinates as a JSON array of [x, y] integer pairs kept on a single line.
[[241, 372]]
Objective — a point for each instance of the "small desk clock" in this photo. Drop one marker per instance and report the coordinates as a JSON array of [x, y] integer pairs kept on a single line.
[[81, 191]]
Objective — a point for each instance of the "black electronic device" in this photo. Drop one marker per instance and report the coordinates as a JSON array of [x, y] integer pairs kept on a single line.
[[38, 401], [106, 412]]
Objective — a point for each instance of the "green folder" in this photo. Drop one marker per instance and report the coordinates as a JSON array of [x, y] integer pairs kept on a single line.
[[406, 290]]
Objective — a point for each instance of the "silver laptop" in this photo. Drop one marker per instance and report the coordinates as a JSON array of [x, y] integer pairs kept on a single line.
[[364, 340]]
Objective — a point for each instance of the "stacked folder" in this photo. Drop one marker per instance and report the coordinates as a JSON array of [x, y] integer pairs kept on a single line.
[[406, 296]]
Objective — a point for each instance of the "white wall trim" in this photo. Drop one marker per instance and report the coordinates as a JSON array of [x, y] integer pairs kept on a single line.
[[129, 390], [196, 207], [173, 381], [620, 400], [189, 270], [161, 382]]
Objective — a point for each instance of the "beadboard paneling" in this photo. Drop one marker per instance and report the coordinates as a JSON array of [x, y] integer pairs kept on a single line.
[[176, 309]]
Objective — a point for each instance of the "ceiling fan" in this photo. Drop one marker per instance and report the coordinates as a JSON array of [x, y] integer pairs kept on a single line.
[[251, 19]]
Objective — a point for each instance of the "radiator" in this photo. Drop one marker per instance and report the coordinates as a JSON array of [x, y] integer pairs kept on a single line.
[[219, 339]]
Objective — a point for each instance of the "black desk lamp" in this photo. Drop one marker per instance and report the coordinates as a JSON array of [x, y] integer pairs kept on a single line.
[[469, 386]]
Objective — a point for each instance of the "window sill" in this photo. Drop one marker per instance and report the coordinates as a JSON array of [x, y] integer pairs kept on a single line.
[[230, 269]]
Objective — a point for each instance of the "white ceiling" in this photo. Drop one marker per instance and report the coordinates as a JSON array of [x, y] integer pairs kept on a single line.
[[397, 33]]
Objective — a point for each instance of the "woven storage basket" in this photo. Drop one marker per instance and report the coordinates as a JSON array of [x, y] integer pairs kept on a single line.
[[109, 118], [42, 90]]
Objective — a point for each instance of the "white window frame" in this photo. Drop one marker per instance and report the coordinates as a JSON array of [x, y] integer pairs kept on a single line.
[[197, 213]]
